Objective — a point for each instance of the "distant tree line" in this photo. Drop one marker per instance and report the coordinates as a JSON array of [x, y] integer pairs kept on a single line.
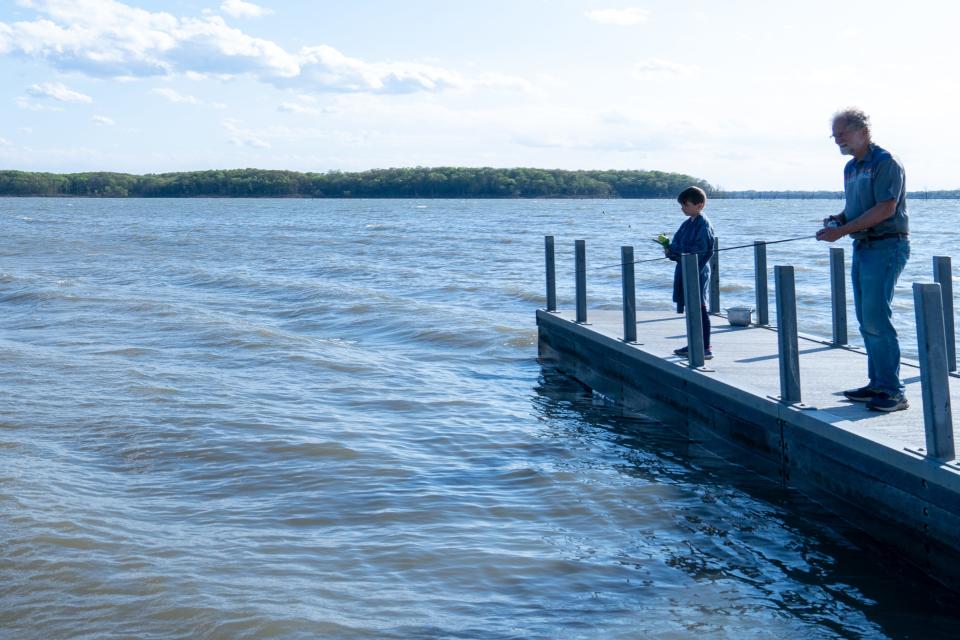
[[825, 195], [417, 182], [778, 195]]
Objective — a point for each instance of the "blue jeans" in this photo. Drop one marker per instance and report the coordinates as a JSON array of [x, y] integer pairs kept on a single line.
[[876, 267]]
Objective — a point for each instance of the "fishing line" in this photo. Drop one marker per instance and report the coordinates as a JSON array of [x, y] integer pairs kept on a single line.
[[741, 246]]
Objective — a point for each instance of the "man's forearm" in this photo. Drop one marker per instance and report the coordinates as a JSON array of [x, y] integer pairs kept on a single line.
[[871, 217]]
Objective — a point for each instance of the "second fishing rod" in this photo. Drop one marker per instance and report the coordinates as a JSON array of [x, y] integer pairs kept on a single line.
[[741, 246]]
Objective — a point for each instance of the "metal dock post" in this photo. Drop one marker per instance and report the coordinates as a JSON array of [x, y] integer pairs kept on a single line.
[[934, 378], [715, 278], [580, 251], [760, 278], [838, 296], [629, 295], [943, 275], [551, 274], [787, 340], [692, 304]]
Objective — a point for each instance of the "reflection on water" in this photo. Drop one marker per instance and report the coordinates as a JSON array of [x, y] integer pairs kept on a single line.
[[761, 557]]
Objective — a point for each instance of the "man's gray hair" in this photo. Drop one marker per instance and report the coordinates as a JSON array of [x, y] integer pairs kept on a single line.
[[853, 118]]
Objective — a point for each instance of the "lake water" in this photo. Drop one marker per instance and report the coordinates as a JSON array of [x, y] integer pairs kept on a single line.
[[326, 419]]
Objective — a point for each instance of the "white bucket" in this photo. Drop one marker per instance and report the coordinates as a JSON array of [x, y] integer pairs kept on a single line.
[[739, 316]]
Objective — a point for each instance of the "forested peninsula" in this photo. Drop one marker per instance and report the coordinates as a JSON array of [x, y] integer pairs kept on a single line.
[[418, 182]]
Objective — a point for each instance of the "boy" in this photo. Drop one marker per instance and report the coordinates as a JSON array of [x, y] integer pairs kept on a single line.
[[695, 235]]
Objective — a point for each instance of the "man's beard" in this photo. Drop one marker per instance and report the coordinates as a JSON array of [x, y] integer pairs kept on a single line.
[[845, 150]]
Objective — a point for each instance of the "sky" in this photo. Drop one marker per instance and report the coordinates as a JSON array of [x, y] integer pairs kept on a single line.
[[739, 93]]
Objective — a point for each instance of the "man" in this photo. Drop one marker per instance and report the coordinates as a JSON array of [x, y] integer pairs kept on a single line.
[[875, 216]]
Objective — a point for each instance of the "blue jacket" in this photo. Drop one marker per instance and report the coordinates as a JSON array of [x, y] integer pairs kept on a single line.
[[695, 235]]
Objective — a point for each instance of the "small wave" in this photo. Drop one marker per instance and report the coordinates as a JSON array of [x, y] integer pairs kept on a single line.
[[522, 342], [128, 352], [154, 390], [312, 450], [159, 309], [736, 287], [450, 338], [27, 295], [339, 366], [359, 308], [526, 295]]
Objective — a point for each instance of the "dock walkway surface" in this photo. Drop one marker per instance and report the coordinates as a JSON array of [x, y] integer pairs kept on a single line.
[[869, 467]]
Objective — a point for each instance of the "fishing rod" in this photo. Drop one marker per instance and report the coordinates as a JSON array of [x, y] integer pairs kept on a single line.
[[741, 246]]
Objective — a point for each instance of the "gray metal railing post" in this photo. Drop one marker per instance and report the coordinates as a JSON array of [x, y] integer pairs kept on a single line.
[[943, 275], [789, 350], [838, 296], [760, 278], [580, 257], [691, 298], [551, 274], [629, 295], [934, 378], [715, 278]]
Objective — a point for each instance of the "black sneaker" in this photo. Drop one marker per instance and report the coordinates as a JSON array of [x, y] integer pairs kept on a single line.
[[886, 402], [863, 394], [684, 352]]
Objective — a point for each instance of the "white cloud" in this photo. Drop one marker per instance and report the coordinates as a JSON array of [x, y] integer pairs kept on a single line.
[[620, 17], [502, 82], [657, 66], [324, 68], [103, 121], [243, 137], [613, 144], [108, 39], [57, 91], [175, 96], [295, 107], [4, 142], [241, 9], [29, 105], [25, 130]]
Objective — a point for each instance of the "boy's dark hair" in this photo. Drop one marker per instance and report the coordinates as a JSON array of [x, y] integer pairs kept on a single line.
[[692, 195]]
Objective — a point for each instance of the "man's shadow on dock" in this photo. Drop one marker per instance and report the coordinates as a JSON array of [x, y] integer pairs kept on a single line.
[[774, 356]]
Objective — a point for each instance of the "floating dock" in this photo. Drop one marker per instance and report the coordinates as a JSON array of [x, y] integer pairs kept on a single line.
[[875, 470]]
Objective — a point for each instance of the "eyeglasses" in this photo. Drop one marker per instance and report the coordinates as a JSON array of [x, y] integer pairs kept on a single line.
[[836, 136]]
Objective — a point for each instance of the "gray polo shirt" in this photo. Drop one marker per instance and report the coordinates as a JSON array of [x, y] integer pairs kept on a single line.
[[877, 178]]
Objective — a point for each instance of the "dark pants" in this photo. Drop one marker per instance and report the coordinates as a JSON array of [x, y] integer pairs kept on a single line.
[[705, 317]]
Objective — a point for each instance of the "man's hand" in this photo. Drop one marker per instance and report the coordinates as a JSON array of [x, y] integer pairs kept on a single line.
[[829, 234]]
